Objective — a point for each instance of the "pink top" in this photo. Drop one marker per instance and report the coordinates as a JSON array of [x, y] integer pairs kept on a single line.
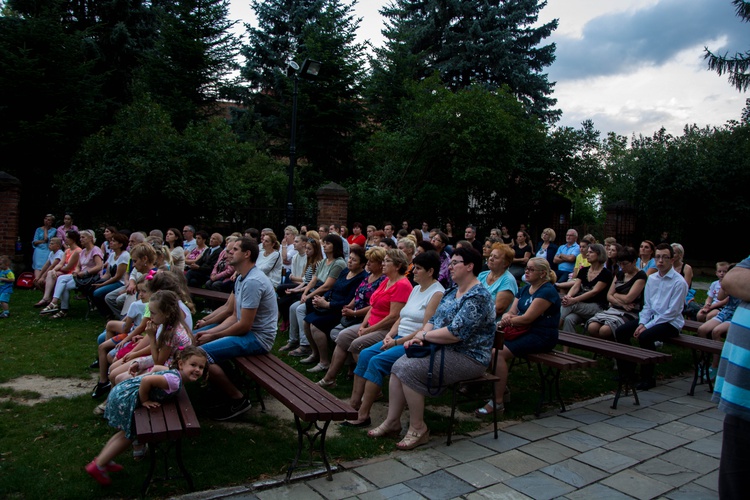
[[384, 295]]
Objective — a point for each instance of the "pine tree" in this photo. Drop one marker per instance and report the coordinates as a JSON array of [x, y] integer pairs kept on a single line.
[[737, 66], [487, 42]]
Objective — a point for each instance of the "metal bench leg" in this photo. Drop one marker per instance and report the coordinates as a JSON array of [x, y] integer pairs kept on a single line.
[[304, 432], [181, 465], [151, 469], [550, 381]]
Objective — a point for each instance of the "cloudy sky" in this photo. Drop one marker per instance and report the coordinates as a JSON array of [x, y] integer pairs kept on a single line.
[[632, 66]]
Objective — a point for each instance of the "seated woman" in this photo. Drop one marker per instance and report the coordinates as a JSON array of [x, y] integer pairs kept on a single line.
[[385, 305], [625, 297], [613, 249], [309, 256], [533, 318], [548, 248], [409, 247], [376, 361], [269, 259], [64, 278], [498, 280], [173, 240], [580, 262], [327, 309], [588, 295], [356, 238], [440, 242], [54, 262], [354, 313], [108, 232], [114, 277], [464, 324], [646, 261], [685, 270], [523, 252], [201, 237]]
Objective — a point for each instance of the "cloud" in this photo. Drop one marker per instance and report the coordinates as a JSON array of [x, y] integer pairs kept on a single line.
[[626, 41]]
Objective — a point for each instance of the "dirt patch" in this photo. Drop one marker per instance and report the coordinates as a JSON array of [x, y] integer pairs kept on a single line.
[[48, 388]]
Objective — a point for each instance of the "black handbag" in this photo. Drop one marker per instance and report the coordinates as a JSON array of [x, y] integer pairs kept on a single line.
[[422, 351], [83, 284]]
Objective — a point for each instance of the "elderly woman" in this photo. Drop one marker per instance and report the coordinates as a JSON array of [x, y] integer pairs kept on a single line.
[[625, 297], [385, 306], [532, 319], [327, 309], [173, 239], [269, 259], [646, 261], [498, 280], [376, 361], [547, 248], [523, 251], [42, 235], [464, 324], [440, 242], [588, 296]]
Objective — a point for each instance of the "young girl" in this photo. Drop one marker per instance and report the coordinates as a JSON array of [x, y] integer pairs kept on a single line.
[[149, 391]]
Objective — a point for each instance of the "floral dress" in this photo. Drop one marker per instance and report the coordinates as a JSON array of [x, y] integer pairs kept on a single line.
[[123, 400]]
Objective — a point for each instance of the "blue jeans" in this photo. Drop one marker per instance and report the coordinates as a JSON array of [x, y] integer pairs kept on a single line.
[[231, 347], [99, 295], [374, 364]]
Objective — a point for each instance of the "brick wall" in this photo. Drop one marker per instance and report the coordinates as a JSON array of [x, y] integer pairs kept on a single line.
[[333, 204], [10, 198]]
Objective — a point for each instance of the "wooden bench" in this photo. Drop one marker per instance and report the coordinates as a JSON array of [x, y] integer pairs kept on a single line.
[[610, 348], [555, 362], [691, 325], [210, 295], [166, 425], [703, 350], [309, 402]]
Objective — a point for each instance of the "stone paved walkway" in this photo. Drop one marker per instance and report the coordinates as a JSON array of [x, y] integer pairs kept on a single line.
[[668, 447]]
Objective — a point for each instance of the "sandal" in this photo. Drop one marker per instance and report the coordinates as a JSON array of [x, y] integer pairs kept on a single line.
[[318, 368], [383, 431], [50, 309], [413, 439], [300, 352], [59, 315], [322, 383], [289, 347], [139, 451], [489, 410], [42, 303], [312, 358]]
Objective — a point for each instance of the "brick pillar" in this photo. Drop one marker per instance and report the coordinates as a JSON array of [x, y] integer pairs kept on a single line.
[[10, 199], [333, 204]]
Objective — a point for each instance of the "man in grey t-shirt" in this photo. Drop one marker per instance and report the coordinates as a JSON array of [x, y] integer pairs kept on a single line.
[[251, 330]]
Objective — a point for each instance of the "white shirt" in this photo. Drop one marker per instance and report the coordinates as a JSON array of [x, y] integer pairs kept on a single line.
[[663, 299]]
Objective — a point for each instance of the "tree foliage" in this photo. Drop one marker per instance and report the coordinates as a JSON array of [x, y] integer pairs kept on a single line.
[[737, 66]]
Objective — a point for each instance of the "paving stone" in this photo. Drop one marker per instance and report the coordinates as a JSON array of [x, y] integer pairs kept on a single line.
[[344, 485], [691, 459], [658, 417], [558, 422], [548, 450], [684, 430], [241, 496], [661, 439], [515, 462], [667, 390], [607, 460], [396, 492], [539, 486], [692, 491], [681, 410], [707, 445], [597, 491], [704, 422], [667, 472], [713, 413], [291, 491], [606, 431], [439, 485], [465, 450], [649, 398], [683, 384], [578, 440], [531, 431], [584, 415], [497, 492], [624, 405], [387, 472], [427, 460], [631, 422], [634, 449], [710, 481], [573, 472], [636, 484], [504, 441], [479, 473], [696, 402]]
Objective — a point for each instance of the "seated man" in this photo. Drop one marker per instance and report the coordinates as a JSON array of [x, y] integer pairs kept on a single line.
[[565, 257], [200, 272], [661, 316], [221, 275], [251, 330]]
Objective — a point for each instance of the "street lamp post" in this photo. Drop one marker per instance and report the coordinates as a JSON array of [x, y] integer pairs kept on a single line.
[[310, 69]]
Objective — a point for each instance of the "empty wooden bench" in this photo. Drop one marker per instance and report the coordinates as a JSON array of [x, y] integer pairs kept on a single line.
[[164, 428], [550, 365], [309, 402], [703, 351], [612, 349]]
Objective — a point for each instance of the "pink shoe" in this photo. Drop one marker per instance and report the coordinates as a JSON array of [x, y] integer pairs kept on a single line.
[[100, 476]]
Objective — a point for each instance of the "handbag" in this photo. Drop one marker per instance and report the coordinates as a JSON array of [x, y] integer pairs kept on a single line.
[[422, 351], [513, 332], [83, 284]]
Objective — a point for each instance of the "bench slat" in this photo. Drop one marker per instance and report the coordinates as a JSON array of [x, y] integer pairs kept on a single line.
[[625, 352], [692, 342], [191, 426], [561, 360]]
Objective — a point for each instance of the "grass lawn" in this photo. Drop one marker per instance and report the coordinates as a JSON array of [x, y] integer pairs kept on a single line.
[[44, 447]]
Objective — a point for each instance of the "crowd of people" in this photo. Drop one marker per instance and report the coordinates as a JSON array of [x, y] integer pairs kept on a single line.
[[364, 299]]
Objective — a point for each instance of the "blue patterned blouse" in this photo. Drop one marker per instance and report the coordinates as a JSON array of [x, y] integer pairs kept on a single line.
[[470, 318]]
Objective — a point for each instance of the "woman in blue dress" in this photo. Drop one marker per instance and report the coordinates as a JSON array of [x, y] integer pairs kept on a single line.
[[42, 235]]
